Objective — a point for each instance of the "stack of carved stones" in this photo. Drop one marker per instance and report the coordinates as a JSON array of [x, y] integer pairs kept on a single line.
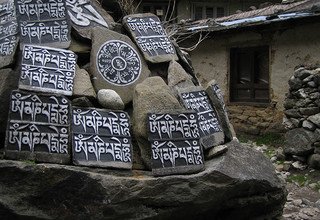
[[302, 116], [73, 95]]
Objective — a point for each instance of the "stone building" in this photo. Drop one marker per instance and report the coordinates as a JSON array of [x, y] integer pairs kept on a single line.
[[252, 55]]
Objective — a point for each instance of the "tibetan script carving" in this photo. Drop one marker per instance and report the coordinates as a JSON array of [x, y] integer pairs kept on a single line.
[[47, 69], [38, 124], [175, 143], [199, 101], [82, 13], [101, 138], [150, 36], [8, 28], [118, 63], [43, 22]]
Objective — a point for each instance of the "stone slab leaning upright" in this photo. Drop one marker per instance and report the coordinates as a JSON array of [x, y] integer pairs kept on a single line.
[[8, 32], [47, 69], [116, 63], [101, 138], [85, 15], [150, 36], [38, 128], [195, 98], [215, 94], [43, 23]]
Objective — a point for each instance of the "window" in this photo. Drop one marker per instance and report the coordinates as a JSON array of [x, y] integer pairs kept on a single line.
[[202, 11], [249, 74], [159, 8]]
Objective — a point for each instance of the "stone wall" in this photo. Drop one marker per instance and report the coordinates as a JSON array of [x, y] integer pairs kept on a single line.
[[302, 115], [211, 61], [255, 120]]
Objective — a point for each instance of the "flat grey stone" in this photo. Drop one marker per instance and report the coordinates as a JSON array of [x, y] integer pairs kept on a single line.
[[315, 119], [216, 151], [308, 125]]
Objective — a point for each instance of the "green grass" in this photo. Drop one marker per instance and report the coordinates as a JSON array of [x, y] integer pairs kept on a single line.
[[301, 180], [269, 139], [30, 162]]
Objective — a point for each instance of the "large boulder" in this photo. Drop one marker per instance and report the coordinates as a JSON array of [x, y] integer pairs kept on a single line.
[[151, 96], [116, 64], [240, 184]]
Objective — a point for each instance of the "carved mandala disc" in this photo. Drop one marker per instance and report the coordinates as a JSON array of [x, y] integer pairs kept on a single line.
[[118, 63]]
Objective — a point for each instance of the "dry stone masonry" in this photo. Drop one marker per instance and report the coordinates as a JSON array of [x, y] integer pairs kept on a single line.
[[126, 112], [302, 115]]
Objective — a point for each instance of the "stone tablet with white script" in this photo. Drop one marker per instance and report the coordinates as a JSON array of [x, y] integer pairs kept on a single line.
[[150, 36], [116, 63], [175, 143], [38, 128], [47, 69], [101, 138], [85, 15], [8, 32], [43, 22], [195, 98]]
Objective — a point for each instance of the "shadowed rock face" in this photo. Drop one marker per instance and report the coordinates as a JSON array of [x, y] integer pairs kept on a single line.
[[239, 184]]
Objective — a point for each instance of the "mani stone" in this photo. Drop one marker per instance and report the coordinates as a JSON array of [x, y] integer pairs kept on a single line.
[[47, 69], [109, 99], [116, 63], [38, 128], [101, 138], [175, 145], [150, 36], [8, 32], [215, 95], [85, 15], [195, 98], [152, 95], [8, 81], [43, 23]]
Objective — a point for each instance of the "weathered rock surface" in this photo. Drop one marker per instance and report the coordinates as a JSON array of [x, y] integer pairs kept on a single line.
[[229, 188], [82, 85], [151, 96], [116, 63], [178, 78], [299, 141], [109, 99]]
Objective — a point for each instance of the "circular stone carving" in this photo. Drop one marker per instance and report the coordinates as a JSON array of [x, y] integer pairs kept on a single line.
[[118, 63]]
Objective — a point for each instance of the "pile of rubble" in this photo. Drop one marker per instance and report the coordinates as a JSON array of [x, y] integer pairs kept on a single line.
[[302, 116]]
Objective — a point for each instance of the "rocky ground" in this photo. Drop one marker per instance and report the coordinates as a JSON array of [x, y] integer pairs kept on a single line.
[[303, 183]]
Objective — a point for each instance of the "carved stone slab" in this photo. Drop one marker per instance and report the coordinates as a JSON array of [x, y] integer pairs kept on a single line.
[[215, 95], [175, 143], [85, 15], [116, 63], [47, 69], [150, 36], [101, 138], [38, 128], [43, 22], [209, 126], [8, 32]]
